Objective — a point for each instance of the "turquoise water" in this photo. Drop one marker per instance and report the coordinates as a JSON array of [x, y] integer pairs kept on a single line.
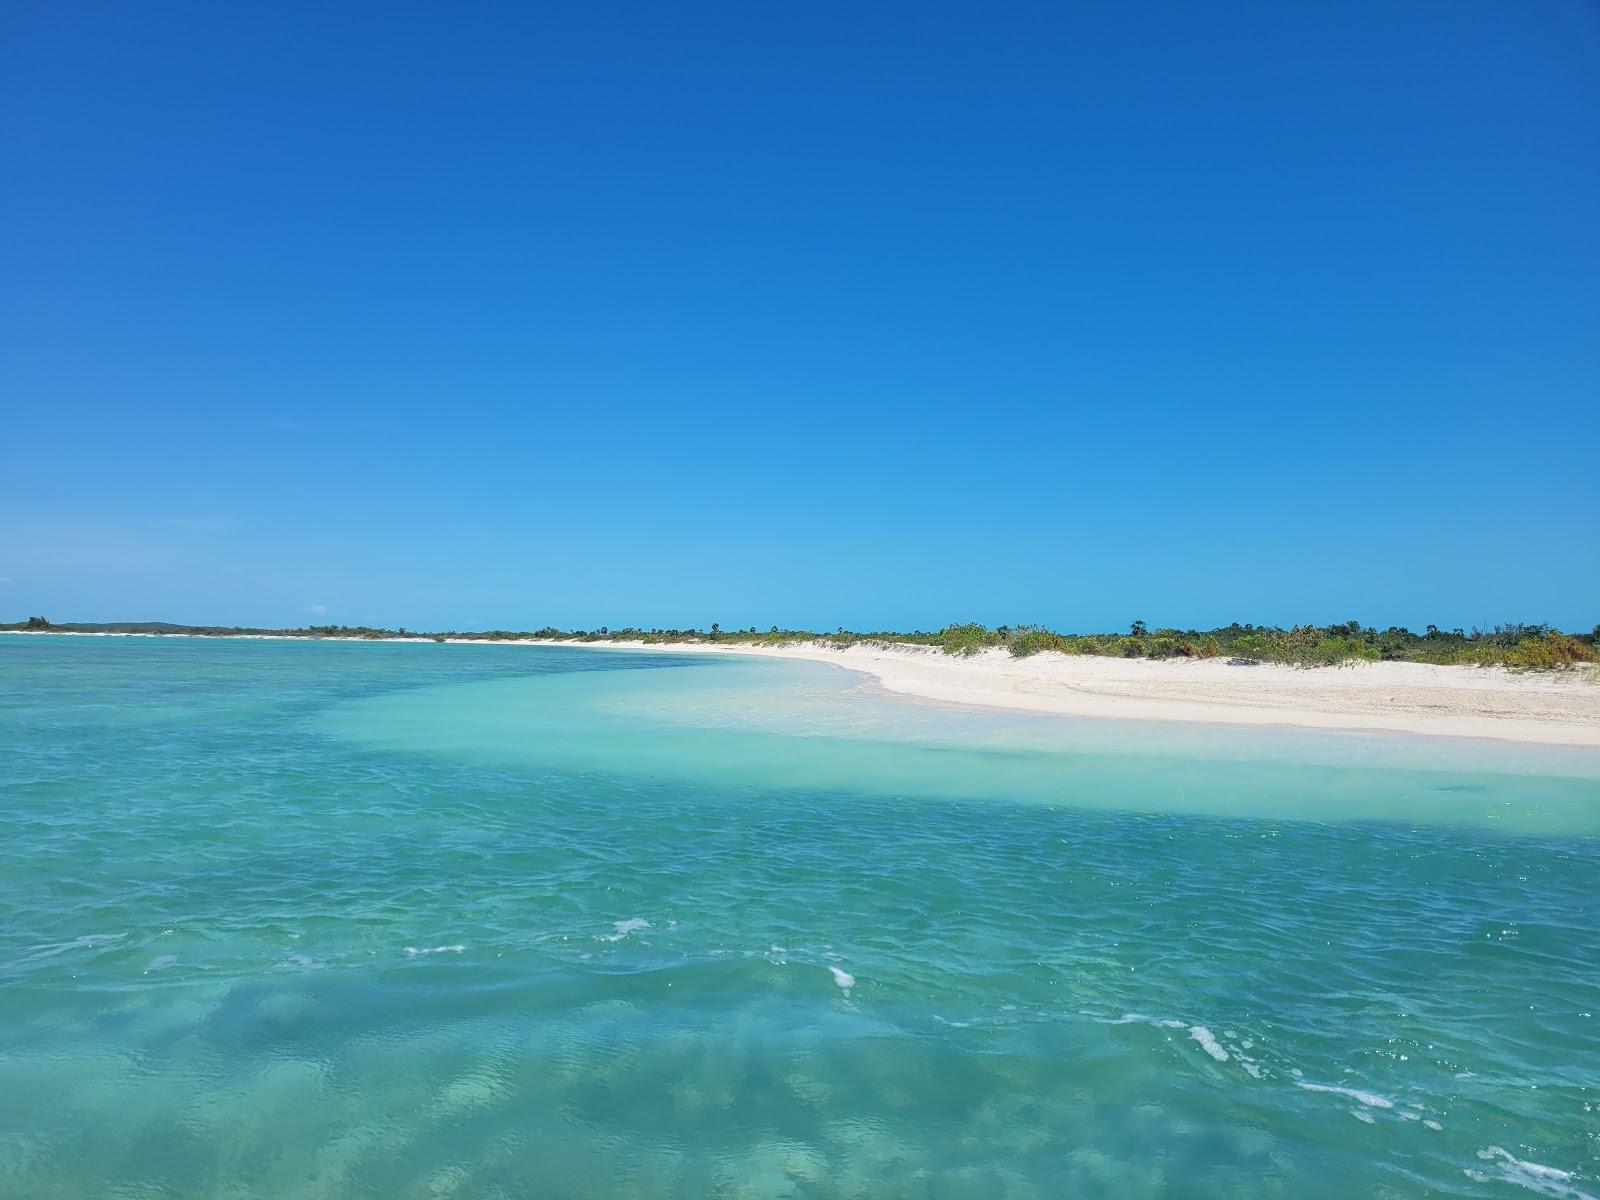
[[323, 919]]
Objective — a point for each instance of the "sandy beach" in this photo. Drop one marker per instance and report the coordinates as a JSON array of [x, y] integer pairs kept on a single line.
[[1551, 707], [1556, 708]]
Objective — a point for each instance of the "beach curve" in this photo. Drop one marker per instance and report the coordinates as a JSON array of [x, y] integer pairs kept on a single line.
[[1539, 708]]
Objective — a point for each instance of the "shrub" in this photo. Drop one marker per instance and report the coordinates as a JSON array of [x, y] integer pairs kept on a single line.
[[1328, 651], [965, 639], [1256, 646], [1552, 651], [1031, 639]]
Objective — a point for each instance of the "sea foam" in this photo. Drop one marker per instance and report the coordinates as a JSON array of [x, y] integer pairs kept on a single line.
[[1536, 1177], [1208, 1043], [1370, 1099]]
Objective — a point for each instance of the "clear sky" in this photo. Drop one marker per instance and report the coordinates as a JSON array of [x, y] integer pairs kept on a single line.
[[808, 314]]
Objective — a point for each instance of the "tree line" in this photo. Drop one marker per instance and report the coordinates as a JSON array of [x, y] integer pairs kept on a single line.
[[1540, 646]]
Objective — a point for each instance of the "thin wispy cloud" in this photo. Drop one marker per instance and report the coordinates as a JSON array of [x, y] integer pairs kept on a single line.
[[317, 610]]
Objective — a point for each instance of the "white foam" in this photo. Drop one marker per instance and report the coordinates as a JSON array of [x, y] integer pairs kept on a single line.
[[1363, 1116], [624, 928], [1208, 1043], [412, 951], [1207, 1040], [844, 979], [1141, 1019], [1430, 1123], [1536, 1177], [1370, 1099]]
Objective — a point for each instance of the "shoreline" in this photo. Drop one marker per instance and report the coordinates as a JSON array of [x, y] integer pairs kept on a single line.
[[1554, 708], [1548, 708]]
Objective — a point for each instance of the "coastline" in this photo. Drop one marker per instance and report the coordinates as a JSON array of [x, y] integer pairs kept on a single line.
[[1544, 708], [1555, 708]]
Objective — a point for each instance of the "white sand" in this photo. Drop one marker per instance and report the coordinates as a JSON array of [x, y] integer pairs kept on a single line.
[[1560, 708], [1550, 707]]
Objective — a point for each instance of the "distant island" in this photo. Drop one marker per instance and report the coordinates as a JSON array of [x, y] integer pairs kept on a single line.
[[1537, 647]]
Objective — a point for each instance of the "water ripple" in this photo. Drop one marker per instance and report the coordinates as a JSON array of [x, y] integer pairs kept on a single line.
[[247, 952]]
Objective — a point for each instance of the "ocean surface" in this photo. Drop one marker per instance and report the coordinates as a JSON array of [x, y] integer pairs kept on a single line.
[[295, 919]]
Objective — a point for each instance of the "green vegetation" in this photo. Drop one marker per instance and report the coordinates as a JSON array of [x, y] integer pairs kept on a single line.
[[1530, 647]]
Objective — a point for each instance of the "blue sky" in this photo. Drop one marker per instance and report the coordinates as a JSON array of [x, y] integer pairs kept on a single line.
[[812, 315]]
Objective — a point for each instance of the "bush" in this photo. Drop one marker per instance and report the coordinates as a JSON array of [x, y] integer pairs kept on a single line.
[[1551, 652], [1031, 639], [1160, 647], [966, 639], [1329, 651], [1257, 647]]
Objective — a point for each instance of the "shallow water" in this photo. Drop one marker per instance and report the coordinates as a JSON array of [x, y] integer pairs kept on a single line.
[[323, 919]]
